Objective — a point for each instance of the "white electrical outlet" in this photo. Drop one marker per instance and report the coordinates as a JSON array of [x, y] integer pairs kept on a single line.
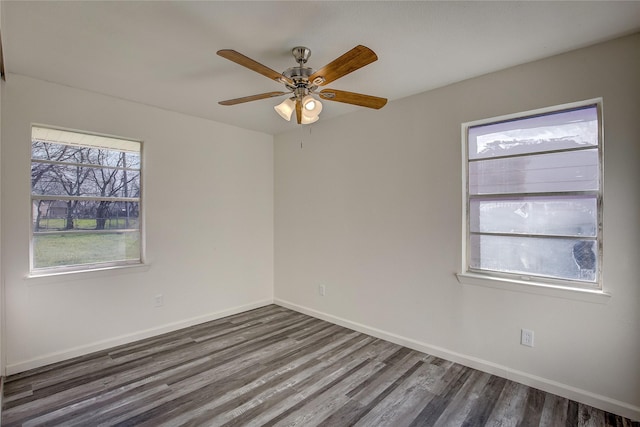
[[321, 290], [158, 300], [526, 337]]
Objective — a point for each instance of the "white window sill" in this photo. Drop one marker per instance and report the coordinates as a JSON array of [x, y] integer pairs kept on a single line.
[[588, 295], [59, 276]]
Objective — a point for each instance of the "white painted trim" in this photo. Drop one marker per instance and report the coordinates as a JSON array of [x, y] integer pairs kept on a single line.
[[52, 275], [533, 287], [583, 396], [128, 338]]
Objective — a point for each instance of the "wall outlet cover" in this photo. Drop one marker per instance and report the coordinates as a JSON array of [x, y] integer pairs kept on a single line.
[[526, 337]]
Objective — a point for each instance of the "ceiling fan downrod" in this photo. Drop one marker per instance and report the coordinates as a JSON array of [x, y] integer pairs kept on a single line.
[[299, 75]]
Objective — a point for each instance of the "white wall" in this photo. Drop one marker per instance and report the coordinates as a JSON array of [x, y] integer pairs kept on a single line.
[[208, 200], [2, 358], [371, 206]]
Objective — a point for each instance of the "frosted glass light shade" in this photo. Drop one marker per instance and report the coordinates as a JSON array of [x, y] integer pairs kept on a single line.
[[308, 119], [285, 108], [311, 106], [311, 109]]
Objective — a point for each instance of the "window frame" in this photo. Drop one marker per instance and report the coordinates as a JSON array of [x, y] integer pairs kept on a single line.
[[35, 272], [500, 279]]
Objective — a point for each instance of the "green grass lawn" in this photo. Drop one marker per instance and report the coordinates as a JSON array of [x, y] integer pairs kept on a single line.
[[52, 250]]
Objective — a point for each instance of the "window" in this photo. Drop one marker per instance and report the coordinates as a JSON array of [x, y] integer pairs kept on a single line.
[[85, 201], [534, 196]]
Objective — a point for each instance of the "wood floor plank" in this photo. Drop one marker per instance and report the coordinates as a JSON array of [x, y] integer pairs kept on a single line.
[[194, 390], [460, 408], [308, 388], [403, 404], [331, 397], [454, 378], [376, 385], [485, 402], [273, 367], [78, 415], [312, 372], [379, 399], [270, 372], [554, 411], [589, 416], [533, 407], [301, 367], [509, 408]]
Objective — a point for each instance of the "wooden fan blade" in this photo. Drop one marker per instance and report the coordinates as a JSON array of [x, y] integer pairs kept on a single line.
[[299, 111], [251, 98], [353, 98], [356, 58], [245, 61]]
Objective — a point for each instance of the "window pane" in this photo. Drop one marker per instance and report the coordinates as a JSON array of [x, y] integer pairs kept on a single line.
[[70, 231], [556, 258], [555, 216], [56, 215], [552, 172], [559, 130], [55, 152], [131, 160], [72, 180], [87, 155], [105, 157], [114, 183], [77, 248]]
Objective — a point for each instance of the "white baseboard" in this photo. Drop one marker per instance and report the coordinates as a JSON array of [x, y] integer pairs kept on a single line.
[[583, 396], [128, 338]]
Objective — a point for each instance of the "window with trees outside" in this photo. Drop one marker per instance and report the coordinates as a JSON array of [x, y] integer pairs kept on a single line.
[[534, 196], [85, 201]]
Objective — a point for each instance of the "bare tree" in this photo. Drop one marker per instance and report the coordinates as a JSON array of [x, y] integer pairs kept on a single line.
[[77, 172], [72, 178], [110, 182], [45, 151], [43, 174]]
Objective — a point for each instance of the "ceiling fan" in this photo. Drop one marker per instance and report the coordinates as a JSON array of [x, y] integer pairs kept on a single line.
[[303, 82]]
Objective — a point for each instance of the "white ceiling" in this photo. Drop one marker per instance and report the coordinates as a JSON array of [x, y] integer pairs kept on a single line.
[[164, 53]]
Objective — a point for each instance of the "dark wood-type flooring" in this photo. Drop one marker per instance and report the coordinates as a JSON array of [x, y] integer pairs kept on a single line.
[[275, 367]]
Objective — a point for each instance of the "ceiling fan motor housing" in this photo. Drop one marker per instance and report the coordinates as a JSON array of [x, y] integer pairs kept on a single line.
[[300, 77]]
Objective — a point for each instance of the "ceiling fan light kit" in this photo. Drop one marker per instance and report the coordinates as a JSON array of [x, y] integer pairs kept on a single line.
[[303, 82]]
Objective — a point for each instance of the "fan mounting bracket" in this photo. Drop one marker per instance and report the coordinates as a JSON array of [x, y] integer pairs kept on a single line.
[[301, 54]]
